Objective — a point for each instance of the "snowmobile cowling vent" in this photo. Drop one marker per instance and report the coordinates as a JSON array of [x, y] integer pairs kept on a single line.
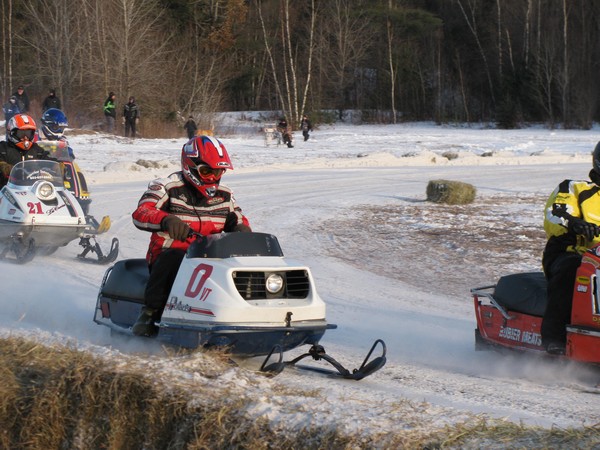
[[251, 285]]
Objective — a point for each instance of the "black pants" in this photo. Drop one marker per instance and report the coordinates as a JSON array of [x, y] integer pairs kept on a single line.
[[130, 125], [162, 275], [561, 273]]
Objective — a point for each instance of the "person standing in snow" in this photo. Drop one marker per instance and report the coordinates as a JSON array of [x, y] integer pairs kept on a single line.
[[190, 127], [52, 101], [572, 225], [286, 132], [190, 200], [110, 112], [10, 109], [22, 99], [306, 127], [131, 116]]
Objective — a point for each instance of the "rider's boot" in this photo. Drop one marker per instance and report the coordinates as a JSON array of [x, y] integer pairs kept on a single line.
[[144, 325]]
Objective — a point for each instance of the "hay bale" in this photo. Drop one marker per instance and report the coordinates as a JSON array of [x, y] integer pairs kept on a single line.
[[450, 192], [450, 155]]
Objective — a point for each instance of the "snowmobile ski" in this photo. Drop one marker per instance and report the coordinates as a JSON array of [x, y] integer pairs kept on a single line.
[[90, 245], [23, 251], [317, 353]]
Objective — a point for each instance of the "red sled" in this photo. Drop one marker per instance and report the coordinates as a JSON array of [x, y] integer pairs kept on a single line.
[[509, 313]]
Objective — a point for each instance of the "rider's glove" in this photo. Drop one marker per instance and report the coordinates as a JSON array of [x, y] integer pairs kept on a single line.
[[175, 227], [5, 169], [232, 225], [242, 228], [583, 228]]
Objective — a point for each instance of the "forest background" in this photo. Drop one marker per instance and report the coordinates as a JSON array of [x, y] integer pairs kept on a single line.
[[507, 62]]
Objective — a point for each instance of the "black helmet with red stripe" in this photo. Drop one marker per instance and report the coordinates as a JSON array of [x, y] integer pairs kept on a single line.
[[204, 160]]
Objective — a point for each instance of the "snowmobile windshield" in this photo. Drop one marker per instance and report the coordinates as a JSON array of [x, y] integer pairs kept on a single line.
[[27, 173], [228, 245], [57, 149]]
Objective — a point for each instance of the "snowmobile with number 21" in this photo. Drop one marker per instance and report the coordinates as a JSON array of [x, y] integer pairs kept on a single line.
[[39, 215], [235, 291]]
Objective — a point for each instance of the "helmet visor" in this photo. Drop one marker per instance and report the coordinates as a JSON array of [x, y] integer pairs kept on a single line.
[[21, 134], [54, 127], [206, 171]]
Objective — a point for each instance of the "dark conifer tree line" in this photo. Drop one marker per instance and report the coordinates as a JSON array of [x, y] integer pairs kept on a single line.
[[508, 62]]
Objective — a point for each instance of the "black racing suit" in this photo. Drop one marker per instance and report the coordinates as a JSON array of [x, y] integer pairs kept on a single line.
[[10, 155]]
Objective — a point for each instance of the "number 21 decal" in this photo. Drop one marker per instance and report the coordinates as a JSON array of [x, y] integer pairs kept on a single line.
[[34, 208]]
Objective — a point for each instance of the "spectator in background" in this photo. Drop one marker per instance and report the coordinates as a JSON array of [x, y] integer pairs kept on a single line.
[[110, 112], [22, 99], [286, 132], [52, 101], [10, 108], [306, 127], [190, 127], [131, 116]]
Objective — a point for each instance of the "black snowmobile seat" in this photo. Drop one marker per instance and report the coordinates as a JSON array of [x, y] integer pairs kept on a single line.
[[127, 280], [523, 292]]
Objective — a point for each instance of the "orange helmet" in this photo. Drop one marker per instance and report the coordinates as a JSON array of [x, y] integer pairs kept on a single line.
[[20, 130]]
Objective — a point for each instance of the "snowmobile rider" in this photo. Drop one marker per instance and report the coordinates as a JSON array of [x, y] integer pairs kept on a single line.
[[572, 224], [20, 145], [53, 127], [190, 200], [54, 123]]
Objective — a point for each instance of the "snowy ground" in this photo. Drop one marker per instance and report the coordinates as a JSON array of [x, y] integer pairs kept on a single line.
[[350, 203]]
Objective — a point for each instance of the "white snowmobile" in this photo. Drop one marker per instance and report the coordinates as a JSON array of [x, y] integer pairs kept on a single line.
[[234, 291], [39, 215]]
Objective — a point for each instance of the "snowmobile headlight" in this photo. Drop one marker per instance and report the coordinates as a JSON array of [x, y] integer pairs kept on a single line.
[[274, 283], [45, 191]]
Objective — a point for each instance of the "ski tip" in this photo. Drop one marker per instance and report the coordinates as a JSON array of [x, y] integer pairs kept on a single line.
[[93, 227], [104, 225]]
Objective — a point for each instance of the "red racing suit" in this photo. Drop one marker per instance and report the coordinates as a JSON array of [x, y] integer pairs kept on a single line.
[[174, 195]]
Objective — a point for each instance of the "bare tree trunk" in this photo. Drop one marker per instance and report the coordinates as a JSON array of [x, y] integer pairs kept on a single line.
[[471, 23], [289, 98], [463, 92], [499, 16], [270, 55], [527, 34], [438, 77], [288, 63], [7, 80], [345, 38], [565, 75], [313, 17], [390, 38]]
